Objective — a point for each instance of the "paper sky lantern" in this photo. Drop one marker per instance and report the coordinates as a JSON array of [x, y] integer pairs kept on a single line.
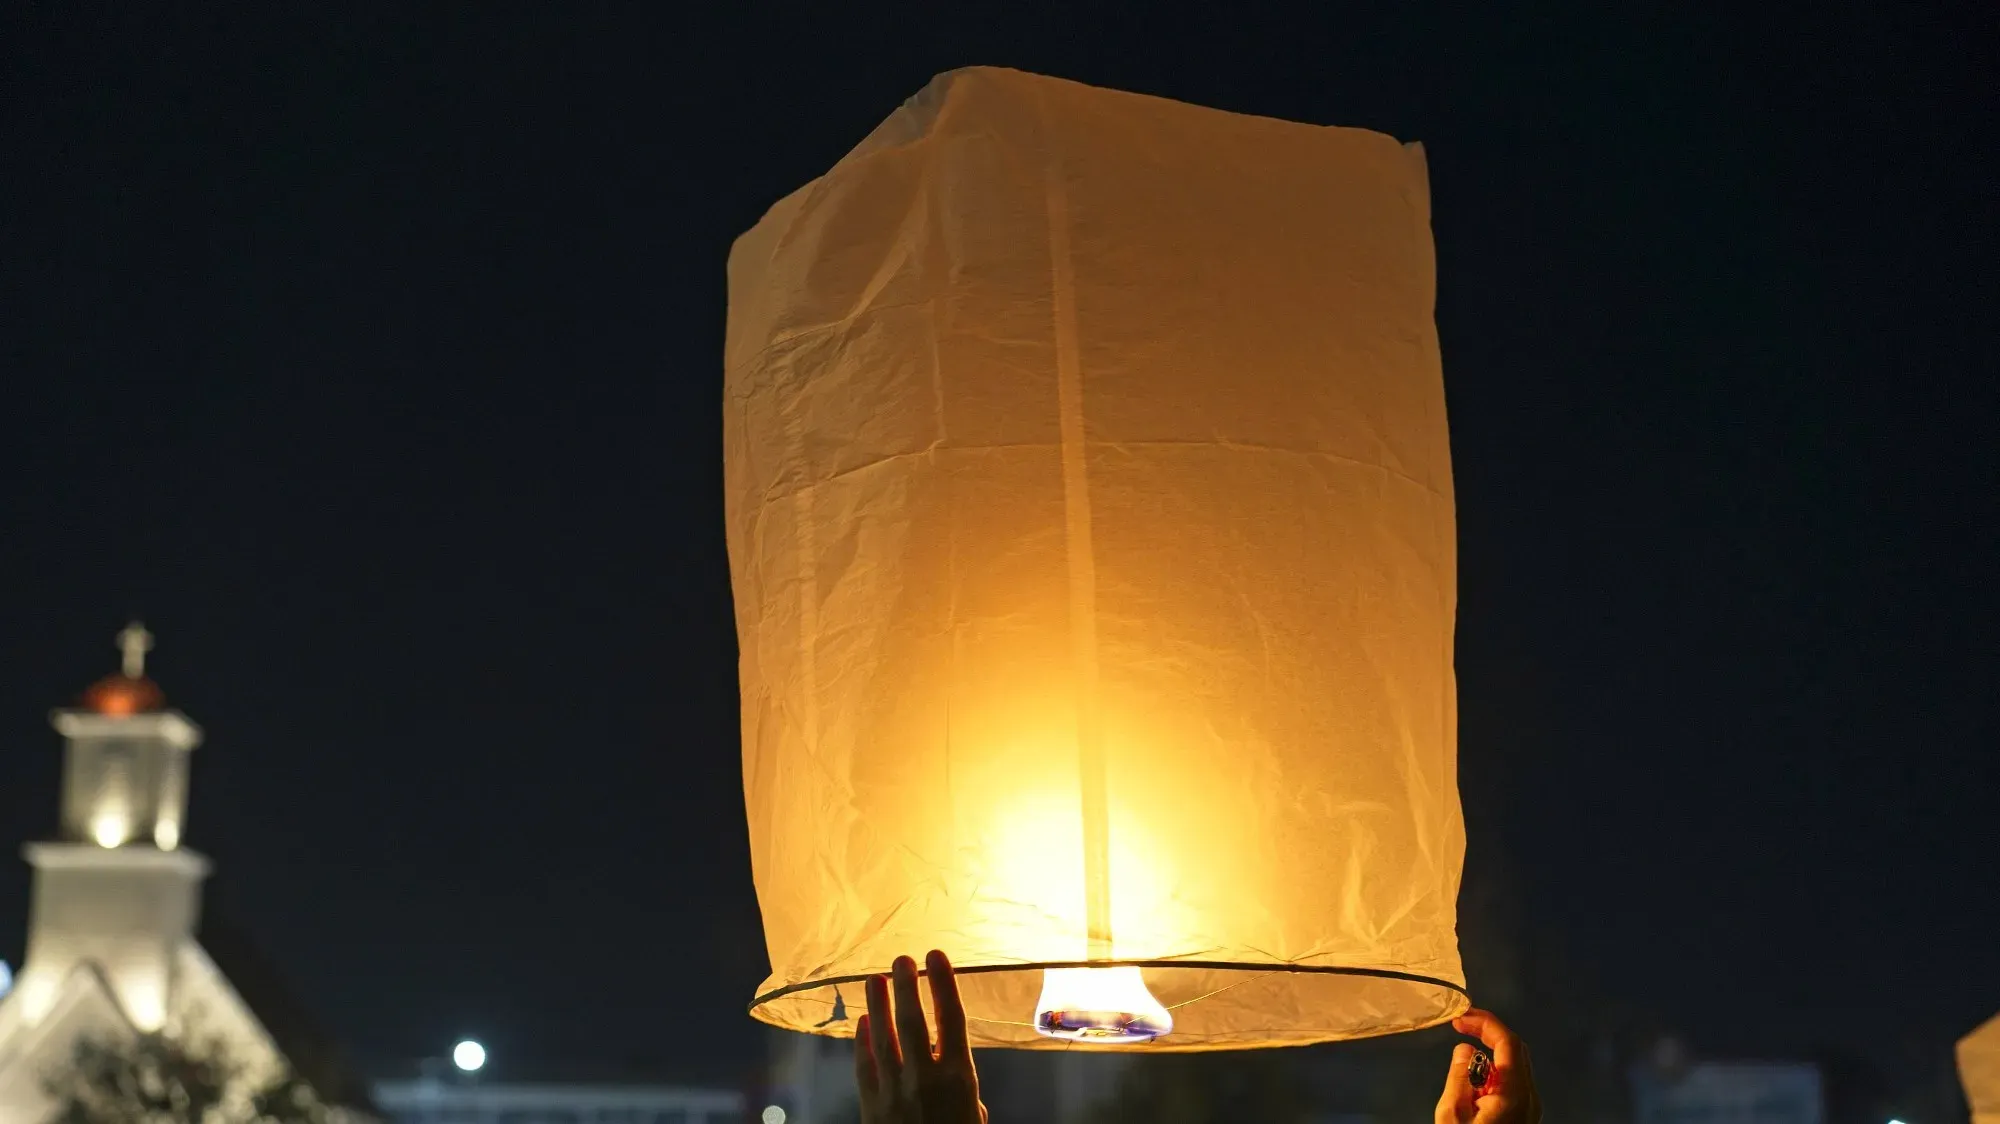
[[1090, 523]]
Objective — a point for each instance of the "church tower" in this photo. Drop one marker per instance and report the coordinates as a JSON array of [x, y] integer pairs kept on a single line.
[[116, 893], [117, 944]]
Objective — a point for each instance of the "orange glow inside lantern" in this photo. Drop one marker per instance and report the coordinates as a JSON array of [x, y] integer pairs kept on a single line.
[[1091, 536]]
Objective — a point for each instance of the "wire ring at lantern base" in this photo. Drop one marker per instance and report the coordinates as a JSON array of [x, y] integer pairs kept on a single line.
[[1209, 965]]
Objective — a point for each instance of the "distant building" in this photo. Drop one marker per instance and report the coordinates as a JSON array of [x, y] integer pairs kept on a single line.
[[117, 942], [444, 1100], [1728, 1093], [811, 1078]]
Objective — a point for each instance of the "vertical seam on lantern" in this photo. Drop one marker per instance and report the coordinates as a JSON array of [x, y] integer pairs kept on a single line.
[[1082, 564], [937, 259], [808, 549]]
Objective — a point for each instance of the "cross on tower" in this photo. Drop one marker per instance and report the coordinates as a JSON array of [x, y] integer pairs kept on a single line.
[[135, 642]]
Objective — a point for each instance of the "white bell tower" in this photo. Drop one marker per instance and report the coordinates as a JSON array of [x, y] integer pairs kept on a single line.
[[116, 892]]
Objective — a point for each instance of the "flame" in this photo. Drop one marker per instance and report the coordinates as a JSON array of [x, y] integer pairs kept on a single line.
[[1110, 1006]]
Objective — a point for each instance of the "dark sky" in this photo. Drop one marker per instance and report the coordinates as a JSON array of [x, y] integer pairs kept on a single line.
[[375, 360]]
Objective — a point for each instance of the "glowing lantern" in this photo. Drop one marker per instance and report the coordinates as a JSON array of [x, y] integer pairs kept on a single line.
[[1090, 522]]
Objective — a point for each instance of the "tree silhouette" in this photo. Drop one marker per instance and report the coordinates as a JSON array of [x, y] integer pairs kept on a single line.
[[154, 1079]]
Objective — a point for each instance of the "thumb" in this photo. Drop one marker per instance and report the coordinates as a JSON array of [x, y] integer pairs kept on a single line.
[[1457, 1095]]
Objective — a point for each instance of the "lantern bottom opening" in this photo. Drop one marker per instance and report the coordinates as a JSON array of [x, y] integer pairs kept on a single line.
[[1209, 1005]]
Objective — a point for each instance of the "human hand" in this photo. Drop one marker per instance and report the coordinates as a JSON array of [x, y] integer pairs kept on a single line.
[[1509, 1095], [901, 1078]]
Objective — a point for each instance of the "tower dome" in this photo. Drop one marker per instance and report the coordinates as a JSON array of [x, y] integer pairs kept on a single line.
[[118, 696]]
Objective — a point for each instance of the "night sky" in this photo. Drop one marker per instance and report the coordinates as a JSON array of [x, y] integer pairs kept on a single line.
[[374, 359]]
